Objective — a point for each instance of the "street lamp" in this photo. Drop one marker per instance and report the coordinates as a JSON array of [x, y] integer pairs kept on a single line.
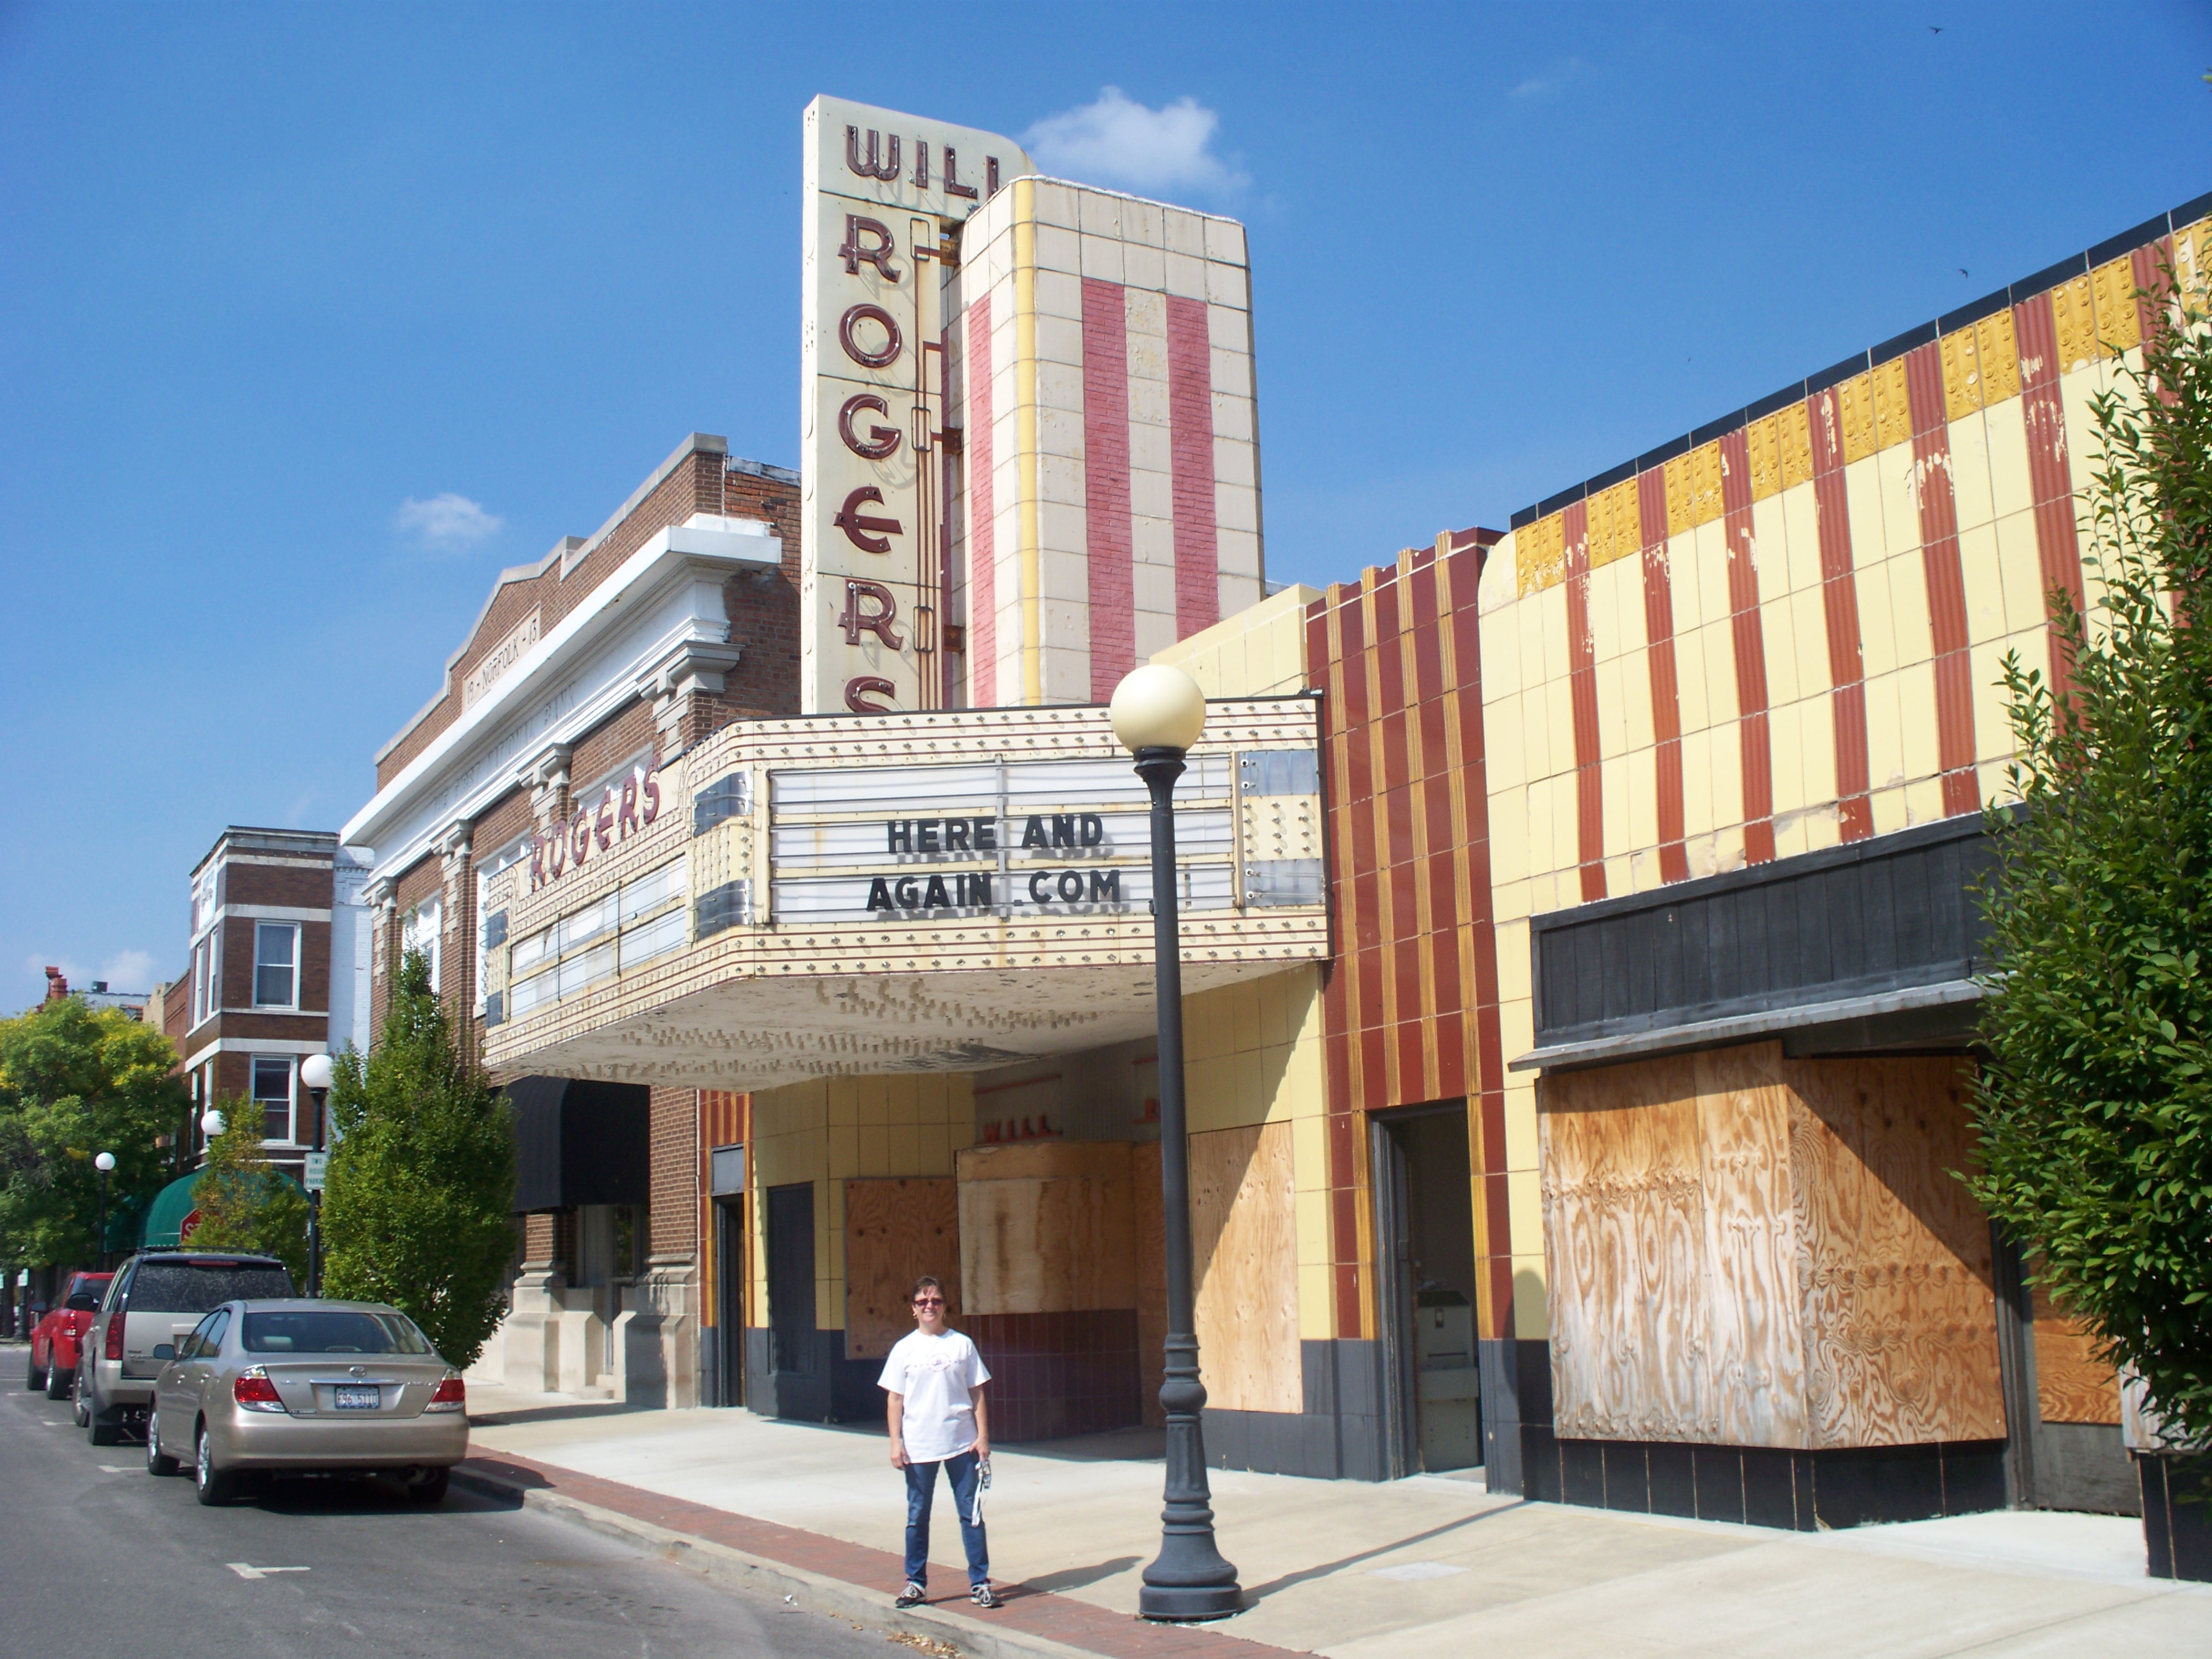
[[1157, 714], [211, 1123], [105, 1165], [315, 1074]]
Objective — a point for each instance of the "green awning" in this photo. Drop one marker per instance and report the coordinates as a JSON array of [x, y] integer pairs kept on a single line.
[[165, 1217]]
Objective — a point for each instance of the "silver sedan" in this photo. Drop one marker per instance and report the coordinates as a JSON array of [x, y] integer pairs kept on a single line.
[[306, 1386]]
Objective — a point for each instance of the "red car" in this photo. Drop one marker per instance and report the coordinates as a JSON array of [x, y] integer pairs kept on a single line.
[[54, 1341]]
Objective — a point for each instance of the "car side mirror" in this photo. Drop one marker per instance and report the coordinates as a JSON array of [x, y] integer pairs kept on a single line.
[[165, 1350], [83, 1302]]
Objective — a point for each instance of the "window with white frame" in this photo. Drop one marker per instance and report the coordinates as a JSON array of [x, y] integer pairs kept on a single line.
[[275, 964], [205, 893], [207, 977], [419, 931], [504, 860], [272, 1093]]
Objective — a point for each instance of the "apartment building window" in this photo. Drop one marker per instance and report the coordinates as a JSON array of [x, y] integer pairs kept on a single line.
[[272, 1092], [419, 931], [207, 978], [275, 964]]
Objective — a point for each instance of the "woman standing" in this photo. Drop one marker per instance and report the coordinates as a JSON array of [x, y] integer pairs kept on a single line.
[[938, 1418]]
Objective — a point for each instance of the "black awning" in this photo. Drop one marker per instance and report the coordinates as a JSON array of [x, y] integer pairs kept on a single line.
[[579, 1143]]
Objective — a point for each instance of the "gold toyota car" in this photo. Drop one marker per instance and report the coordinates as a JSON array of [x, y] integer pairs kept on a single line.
[[306, 1388]]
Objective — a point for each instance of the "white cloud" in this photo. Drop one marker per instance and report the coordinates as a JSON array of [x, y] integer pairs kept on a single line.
[[129, 971], [1114, 139], [1548, 85], [446, 520]]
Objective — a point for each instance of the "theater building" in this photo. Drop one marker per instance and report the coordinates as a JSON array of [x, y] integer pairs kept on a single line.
[[1579, 951]]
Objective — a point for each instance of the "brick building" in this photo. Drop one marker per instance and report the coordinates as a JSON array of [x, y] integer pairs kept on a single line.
[[583, 673], [273, 975]]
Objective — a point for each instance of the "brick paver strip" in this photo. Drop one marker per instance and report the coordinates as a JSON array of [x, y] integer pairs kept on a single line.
[[1041, 1612]]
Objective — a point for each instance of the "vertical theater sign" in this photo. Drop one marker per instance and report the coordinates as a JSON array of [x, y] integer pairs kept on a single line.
[[886, 195]]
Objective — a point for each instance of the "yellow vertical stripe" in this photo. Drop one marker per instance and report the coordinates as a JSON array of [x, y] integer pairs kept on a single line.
[[1025, 440]]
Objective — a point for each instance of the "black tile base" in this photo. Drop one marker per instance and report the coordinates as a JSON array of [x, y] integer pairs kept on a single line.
[[2177, 1510], [1764, 1486]]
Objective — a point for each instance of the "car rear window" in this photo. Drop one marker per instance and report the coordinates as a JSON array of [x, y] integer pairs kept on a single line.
[[314, 1331], [202, 1286]]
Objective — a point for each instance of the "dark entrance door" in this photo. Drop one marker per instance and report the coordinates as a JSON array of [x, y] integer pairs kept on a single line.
[[729, 1334], [802, 1387], [1424, 1257]]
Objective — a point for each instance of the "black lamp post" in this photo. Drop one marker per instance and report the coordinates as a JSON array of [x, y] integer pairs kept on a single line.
[[105, 1165], [315, 1073], [1158, 713]]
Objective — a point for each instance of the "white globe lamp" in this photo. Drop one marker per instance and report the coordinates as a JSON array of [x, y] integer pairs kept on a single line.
[[1156, 706], [315, 1072]]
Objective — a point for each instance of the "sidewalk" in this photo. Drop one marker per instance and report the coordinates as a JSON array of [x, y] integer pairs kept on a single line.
[[1429, 1566]]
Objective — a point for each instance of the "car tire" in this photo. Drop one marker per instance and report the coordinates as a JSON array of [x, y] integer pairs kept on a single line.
[[428, 1488], [99, 1432], [158, 1463], [34, 1379], [213, 1486], [58, 1381], [78, 1411]]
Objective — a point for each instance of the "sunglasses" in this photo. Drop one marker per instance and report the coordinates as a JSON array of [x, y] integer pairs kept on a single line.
[[929, 1302]]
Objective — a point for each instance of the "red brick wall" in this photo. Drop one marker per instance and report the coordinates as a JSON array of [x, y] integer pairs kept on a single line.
[[763, 612], [540, 1237], [673, 1139], [306, 888]]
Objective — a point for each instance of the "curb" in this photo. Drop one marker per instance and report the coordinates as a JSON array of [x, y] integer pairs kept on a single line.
[[933, 1629]]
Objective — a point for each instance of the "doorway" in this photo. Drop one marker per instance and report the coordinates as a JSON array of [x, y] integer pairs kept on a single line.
[[729, 1333], [1425, 1287], [802, 1390]]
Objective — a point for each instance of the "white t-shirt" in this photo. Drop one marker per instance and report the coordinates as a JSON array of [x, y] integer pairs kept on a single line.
[[934, 1373]]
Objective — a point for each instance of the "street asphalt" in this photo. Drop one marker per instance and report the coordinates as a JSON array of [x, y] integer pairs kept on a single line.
[[104, 1559]]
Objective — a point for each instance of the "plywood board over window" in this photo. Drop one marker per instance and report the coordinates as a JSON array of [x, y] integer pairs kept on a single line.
[[1047, 1227], [895, 1231], [1244, 1256], [1746, 1250], [2072, 1385]]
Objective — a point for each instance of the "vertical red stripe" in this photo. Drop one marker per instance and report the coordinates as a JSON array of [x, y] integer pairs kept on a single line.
[[2148, 264], [982, 526], [1582, 694], [1839, 604], [1106, 485], [1190, 441], [1946, 578], [2059, 548], [1659, 660], [1748, 635]]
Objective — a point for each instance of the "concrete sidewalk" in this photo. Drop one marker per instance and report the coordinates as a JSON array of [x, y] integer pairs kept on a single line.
[[1431, 1566]]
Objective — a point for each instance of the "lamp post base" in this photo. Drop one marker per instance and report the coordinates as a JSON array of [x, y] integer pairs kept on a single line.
[[1188, 1604]]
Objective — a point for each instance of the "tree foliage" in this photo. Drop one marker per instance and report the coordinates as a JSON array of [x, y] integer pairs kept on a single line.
[[74, 1083], [243, 1202], [417, 1204], [2095, 1108]]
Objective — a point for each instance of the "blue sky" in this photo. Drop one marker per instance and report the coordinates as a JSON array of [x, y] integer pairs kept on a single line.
[[311, 317]]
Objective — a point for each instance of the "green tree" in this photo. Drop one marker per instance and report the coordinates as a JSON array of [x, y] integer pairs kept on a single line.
[[416, 1210], [75, 1083], [243, 1202], [2095, 1108]]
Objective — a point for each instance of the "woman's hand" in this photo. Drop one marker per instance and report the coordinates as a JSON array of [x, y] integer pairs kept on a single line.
[[898, 1454]]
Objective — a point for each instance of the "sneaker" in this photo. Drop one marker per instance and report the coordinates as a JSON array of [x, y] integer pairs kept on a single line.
[[984, 1596], [912, 1596]]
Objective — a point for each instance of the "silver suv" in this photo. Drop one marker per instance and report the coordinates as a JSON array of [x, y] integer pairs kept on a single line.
[[156, 1297]]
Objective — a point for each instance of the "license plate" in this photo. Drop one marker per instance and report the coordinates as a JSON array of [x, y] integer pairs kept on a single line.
[[355, 1399]]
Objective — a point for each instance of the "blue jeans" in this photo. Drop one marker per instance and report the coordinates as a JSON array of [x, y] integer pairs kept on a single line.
[[921, 1487]]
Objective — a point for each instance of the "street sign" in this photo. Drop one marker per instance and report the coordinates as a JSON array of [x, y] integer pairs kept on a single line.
[[316, 1163]]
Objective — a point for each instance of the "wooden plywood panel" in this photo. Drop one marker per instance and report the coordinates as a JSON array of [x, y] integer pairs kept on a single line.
[[895, 1232], [1625, 1238], [2072, 1385], [1151, 1214], [1752, 1249], [1897, 1297], [1046, 1227], [1244, 1259]]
